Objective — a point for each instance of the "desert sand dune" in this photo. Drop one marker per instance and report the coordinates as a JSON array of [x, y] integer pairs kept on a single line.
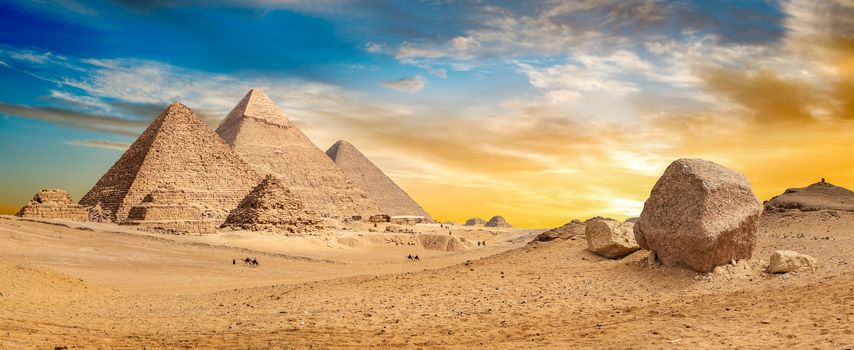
[[90, 289]]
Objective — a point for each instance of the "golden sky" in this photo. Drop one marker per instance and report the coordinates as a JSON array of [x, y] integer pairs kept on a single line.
[[541, 113]]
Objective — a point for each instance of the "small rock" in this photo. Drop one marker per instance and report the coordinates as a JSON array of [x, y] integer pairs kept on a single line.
[[784, 261], [611, 239]]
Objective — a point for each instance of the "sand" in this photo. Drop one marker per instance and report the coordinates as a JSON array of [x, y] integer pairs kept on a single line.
[[108, 286]]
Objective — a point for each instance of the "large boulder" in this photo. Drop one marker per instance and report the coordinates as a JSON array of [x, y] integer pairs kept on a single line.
[[783, 261], [611, 239], [497, 221], [700, 215]]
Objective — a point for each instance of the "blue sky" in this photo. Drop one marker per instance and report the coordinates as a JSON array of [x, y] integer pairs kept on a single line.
[[502, 106]]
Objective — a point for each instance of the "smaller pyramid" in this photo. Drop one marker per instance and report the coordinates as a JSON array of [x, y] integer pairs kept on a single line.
[[387, 195], [53, 204], [271, 206], [497, 221]]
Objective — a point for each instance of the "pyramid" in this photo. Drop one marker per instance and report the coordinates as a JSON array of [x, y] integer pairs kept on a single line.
[[262, 135], [270, 206], [53, 204], [179, 151], [389, 197]]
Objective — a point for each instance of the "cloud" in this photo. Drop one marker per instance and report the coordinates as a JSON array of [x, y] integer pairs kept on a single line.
[[410, 84], [119, 146], [75, 119]]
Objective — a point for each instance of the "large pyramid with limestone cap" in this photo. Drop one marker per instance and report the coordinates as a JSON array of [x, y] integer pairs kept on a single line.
[[177, 151], [391, 199], [262, 135]]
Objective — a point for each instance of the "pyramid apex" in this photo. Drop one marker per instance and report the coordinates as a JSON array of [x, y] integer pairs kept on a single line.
[[176, 105], [256, 105]]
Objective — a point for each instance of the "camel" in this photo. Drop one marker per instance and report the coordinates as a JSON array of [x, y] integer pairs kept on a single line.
[[251, 262]]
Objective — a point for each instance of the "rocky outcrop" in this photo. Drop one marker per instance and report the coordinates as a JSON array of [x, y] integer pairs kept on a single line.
[[784, 261], [445, 243], [53, 204], [270, 206], [475, 221], [571, 229], [497, 221], [818, 196], [699, 215], [611, 239]]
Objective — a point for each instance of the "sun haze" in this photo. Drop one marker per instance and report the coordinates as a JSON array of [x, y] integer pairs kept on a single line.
[[540, 112]]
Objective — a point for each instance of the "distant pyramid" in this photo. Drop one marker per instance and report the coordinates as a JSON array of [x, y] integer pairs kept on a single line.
[[271, 207], [262, 135], [178, 151], [391, 199]]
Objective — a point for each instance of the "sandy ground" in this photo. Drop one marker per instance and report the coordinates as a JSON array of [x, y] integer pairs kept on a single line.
[[110, 287]]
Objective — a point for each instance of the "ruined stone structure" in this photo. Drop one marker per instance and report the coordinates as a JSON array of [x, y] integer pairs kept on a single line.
[[270, 206], [167, 209], [262, 135], [497, 221], [387, 195], [53, 204], [180, 151]]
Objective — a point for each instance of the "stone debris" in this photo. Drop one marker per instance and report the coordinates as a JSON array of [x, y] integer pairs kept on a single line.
[[262, 135], [365, 175], [700, 215], [98, 214], [181, 151], [168, 210], [497, 221], [443, 243], [611, 239], [574, 228], [53, 204], [818, 196], [270, 206], [785, 261], [475, 221]]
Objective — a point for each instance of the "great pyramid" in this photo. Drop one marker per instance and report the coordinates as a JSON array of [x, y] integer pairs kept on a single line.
[[262, 135], [389, 197], [270, 206], [179, 151]]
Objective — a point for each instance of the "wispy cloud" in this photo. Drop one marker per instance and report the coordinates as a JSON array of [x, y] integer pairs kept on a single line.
[[409, 84], [118, 146]]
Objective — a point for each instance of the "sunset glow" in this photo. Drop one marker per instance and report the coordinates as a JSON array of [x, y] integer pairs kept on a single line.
[[541, 112]]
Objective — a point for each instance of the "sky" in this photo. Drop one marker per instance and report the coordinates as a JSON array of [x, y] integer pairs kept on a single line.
[[540, 111]]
